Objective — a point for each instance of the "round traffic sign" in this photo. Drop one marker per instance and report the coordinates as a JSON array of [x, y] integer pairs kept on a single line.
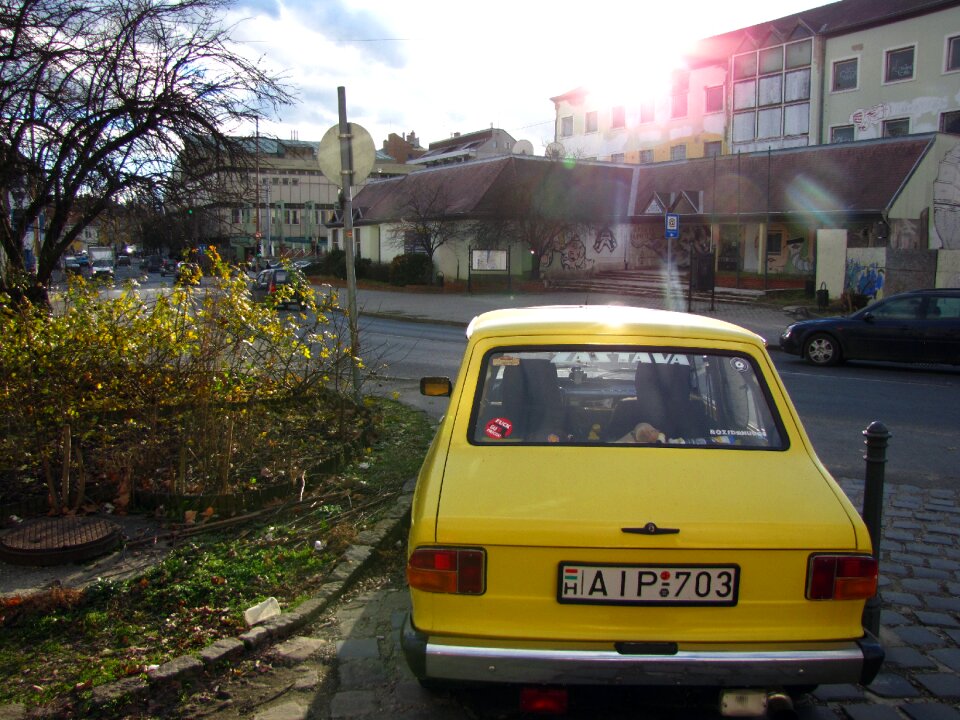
[[362, 150]]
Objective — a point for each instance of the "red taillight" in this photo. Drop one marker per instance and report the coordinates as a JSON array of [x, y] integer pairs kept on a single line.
[[446, 570], [543, 700], [841, 577]]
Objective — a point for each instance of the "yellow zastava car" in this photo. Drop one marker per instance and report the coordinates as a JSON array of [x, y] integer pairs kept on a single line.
[[626, 496]]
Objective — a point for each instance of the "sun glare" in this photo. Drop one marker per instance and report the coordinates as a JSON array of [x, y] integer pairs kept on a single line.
[[636, 74]]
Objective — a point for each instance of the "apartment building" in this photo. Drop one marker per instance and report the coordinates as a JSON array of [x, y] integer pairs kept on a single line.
[[276, 201], [855, 69]]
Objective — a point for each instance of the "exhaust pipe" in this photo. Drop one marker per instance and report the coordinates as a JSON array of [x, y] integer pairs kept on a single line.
[[750, 702]]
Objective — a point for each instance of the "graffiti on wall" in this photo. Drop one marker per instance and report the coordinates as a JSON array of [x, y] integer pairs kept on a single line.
[[650, 248], [570, 253], [946, 201], [605, 241], [798, 260], [863, 278]]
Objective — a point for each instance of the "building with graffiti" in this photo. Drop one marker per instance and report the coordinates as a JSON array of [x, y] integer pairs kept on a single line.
[[782, 218]]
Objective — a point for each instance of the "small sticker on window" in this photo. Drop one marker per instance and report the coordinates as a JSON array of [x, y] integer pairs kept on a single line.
[[739, 364], [505, 360], [498, 428]]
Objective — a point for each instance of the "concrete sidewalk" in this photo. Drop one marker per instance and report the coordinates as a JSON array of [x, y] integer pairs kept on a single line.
[[460, 308]]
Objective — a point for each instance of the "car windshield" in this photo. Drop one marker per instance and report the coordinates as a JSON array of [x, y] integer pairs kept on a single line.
[[618, 395]]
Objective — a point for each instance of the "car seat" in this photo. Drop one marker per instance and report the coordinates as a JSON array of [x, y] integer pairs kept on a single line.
[[531, 399], [665, 399]]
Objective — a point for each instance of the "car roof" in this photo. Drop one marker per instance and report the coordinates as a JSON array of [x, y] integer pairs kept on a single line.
[[589, 321]]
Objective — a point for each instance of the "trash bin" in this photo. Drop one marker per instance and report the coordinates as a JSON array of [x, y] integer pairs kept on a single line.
[[823, 297]]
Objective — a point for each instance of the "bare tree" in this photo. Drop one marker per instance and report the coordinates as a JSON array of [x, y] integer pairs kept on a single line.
[[98, 101], [428, 218], [543, 204]]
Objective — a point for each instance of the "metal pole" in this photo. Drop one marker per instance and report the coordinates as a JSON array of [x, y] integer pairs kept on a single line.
[[346, 164], [876, 436]]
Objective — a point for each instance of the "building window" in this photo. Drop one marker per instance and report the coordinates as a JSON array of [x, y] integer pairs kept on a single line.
[[770, 90], [845, 75], [678, 106], [590, 124], [713, 99], [799, 54], [771, 60], [896, 128], [618, 117], [291, 217], [236, 216], [678, 152], [646, 112], [713, 149], [770, 123], [953, 54], [566, 126], [744, 127], [899, 65], [950, 122], [777, 81], [796, 119], [616, 157], [745, 95], [646, 157], [841, 134], [744, 66]]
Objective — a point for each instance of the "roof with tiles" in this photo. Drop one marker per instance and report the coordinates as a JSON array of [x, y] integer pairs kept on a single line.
[[844, 179]]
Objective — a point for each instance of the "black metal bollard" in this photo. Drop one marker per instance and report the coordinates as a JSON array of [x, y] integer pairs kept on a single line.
[[876, 436]]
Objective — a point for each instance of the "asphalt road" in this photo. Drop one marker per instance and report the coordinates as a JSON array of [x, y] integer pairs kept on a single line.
[[919, 405]]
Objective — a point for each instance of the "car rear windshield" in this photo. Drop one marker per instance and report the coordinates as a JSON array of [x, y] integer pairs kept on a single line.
[[615, 396]]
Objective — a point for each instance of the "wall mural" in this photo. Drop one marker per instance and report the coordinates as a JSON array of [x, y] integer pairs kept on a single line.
[[863, 279], [946, 201], [572, 254], [605, 241], [650, 247], [798, 261]]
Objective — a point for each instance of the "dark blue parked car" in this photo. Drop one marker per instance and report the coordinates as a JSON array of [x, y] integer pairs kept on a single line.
[[914, 326]]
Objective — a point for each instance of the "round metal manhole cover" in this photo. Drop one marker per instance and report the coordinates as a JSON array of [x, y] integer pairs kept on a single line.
[[56, 541]]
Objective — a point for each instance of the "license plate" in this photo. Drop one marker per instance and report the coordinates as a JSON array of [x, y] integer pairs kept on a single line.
[[648, 584]]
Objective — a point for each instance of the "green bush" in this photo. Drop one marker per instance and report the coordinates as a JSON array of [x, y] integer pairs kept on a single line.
[[411, 269], [121, 388], [334, 263], [377, 271]]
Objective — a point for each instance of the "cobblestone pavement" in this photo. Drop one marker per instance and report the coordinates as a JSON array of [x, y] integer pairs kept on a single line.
[[348, 665]]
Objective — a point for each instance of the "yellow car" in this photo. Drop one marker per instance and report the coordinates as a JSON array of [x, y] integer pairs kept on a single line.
[[626, 496]]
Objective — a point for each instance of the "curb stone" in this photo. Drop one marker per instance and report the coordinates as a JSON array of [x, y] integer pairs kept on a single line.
[[181, 670]]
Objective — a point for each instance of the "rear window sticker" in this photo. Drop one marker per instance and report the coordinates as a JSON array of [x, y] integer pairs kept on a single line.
[[498, 428]]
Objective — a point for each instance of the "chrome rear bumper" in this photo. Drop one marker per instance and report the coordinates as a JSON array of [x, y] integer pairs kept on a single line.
[[728, 665]]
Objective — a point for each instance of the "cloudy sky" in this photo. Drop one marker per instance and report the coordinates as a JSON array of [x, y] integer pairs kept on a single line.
[[436, 67]]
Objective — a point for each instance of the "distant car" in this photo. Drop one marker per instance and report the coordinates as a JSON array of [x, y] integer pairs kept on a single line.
[[151, 263], [72, 265], [123, 260], [102, 269], [168, 267], [626, 496], [282, 286], [914, 326], [188, 273]]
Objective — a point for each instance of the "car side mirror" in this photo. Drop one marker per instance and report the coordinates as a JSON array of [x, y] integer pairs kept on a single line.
[[868, 317], [436, 386]]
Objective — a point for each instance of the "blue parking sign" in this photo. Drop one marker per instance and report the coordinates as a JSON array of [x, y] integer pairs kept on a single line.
[[672, 222]]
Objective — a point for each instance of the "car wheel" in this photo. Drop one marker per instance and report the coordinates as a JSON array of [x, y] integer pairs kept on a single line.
[[822, 349]]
